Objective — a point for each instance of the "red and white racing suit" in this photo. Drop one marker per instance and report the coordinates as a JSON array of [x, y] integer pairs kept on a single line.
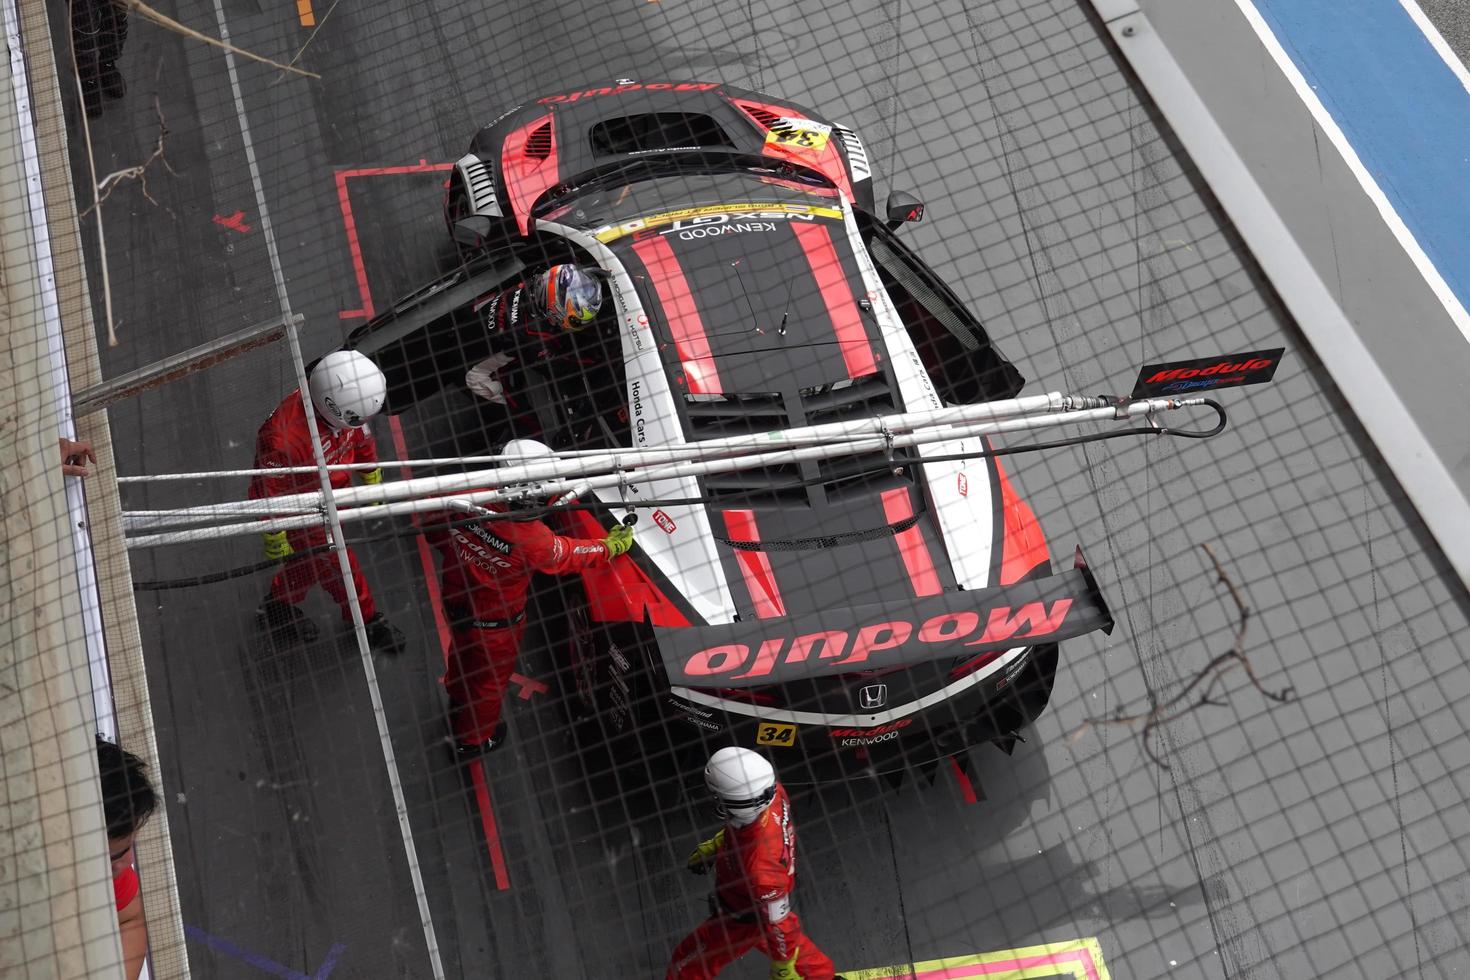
[[755, 871], [486, 574], [285, 440]]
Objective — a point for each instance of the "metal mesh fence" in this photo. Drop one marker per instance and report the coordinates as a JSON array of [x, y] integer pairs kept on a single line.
[[1252, 775]]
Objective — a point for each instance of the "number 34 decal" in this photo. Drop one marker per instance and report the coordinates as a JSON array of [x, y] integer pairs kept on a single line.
[[807, 133], [775, 733]]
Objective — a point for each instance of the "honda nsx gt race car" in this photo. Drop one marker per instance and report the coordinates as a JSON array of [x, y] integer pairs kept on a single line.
[[864, 612]]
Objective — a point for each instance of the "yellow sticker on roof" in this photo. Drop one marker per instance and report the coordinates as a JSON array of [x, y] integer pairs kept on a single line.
[[716, 214], [805, 133]]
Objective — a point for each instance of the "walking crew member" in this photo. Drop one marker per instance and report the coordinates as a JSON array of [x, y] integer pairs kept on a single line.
[[754, 857], [486, 573], [565, 297], [347, 390]]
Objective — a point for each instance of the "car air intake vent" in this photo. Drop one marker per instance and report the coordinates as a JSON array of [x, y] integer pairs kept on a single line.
[[858, 398], [719, 416], [538, 144], [765, 117], [650, 131]]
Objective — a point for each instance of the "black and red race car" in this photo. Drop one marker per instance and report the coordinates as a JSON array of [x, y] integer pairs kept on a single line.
[[863, 612]]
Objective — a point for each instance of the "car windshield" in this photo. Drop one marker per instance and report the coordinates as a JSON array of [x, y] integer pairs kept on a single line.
[[609, 206]]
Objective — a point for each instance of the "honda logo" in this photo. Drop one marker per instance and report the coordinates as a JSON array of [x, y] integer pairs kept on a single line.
[[873, 696]]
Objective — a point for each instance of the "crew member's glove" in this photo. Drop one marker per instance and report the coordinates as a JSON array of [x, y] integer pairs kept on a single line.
[[276, 545], [785, 969], [704, 855], [372, 478], [618, 540]]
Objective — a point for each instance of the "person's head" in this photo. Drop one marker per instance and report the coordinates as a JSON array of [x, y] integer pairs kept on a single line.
[[566, 296], [128, 800], [347, 389], [742, 782], [526, 450]]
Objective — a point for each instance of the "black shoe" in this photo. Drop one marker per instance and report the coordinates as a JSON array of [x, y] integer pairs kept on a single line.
[[111, 80], [91, 98], [285, 622], [383, 636], [469, 753]]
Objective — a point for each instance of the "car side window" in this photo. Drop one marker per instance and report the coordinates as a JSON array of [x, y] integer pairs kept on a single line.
[[951, 342]]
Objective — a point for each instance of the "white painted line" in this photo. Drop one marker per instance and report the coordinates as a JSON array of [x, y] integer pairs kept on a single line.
[[1429, 484], [1406, 239], [380, 717], [1437, 41]]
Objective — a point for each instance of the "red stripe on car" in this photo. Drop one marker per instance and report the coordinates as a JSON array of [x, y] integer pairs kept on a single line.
[[754, 565], [681, 314], [528, 164], [1023, 548], [911, 547], [847, 321]]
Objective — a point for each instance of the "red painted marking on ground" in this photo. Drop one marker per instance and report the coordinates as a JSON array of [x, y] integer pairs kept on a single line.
[[349, 223], [487, 822], [967, 788], [528, 686], [235, 222], [431, 581]]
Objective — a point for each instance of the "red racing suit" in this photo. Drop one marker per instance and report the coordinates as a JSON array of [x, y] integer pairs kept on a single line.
[[755, 871], [285, 440], [486, 574]]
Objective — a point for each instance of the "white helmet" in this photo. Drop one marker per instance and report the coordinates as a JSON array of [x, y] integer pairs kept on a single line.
[[347, 389], [528, 450], [743, 784]]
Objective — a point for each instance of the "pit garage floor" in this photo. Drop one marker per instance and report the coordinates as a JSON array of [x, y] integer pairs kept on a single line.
[[1311, 839]]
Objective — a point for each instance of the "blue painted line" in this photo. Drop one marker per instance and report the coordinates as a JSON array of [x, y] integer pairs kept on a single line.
[[265, 963], [1401, 107]]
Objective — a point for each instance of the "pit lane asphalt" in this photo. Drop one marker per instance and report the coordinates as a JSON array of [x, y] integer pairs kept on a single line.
[[1293, 841]]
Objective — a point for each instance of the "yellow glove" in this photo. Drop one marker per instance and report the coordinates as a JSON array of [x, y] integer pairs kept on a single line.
[[704, 855], [785, 969], [372, 478], [277, 547], [618, 540]]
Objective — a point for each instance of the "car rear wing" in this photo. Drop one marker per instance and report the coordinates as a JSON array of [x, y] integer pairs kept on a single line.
[[883, 635]]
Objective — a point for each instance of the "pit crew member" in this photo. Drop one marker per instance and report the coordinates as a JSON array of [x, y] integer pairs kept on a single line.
[[347, 390], [754, 858], [486, 570]]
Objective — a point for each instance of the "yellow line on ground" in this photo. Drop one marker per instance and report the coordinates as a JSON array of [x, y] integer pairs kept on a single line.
[[1080, 958]]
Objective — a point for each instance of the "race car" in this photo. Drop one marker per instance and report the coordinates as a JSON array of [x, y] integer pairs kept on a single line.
[[861, 613]]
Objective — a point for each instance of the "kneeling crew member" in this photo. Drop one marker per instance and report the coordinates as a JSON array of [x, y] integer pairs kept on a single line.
[[347, 390], [486, 573], [754, 858]]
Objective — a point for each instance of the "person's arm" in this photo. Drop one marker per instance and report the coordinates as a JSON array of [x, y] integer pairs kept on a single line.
[[134, 928], [558, 555], [75, 456]]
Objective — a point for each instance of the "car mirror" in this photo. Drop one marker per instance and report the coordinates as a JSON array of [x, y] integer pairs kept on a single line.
[[904, 207], [472, 230]]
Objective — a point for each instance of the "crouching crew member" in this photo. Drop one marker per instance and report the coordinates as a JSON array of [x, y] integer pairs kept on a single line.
[[486, 571], [754, 857], [347, 390]]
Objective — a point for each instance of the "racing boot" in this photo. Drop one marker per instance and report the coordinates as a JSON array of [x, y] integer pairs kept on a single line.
[[469, 752], [284, 622], [91, 98], [383, 636]]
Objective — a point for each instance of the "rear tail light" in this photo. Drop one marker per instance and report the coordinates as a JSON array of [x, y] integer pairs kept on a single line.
[[970, 666]]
